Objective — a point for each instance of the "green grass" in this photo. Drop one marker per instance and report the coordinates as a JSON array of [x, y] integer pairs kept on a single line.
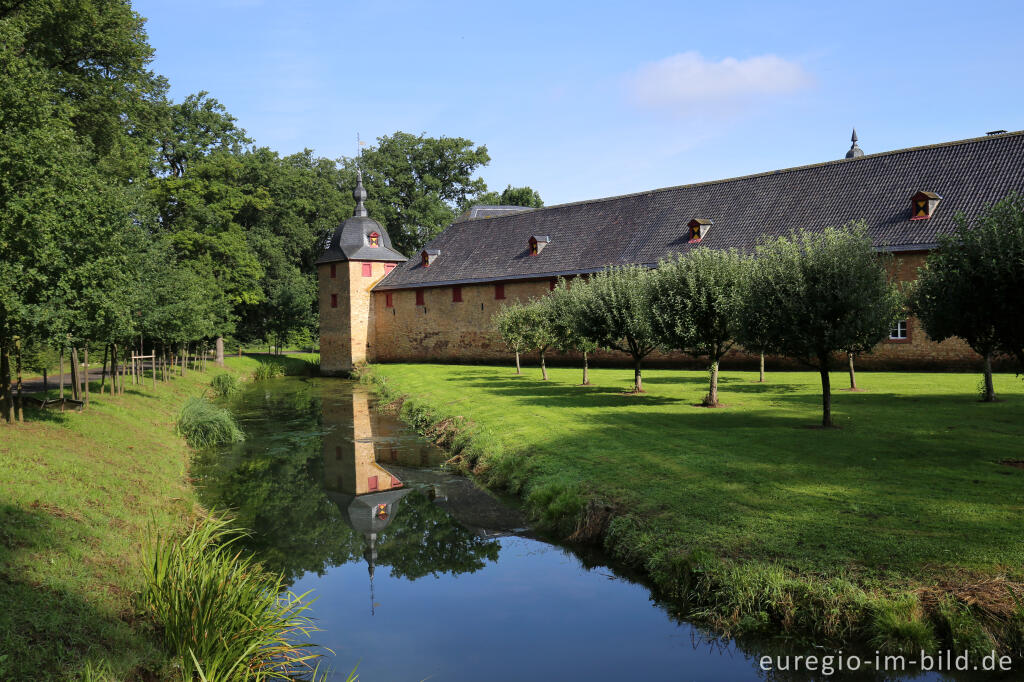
[[223, 616], [77, 495], [202, 424], [750, 510], [225, 384]]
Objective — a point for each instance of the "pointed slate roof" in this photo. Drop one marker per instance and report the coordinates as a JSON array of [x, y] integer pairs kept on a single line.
[[643, 228], [351, 239]]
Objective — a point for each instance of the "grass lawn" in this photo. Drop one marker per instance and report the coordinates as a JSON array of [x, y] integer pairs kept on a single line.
[[79, 494], [908, 492]]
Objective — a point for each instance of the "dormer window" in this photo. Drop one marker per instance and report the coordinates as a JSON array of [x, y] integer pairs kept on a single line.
[[698, 228], [373, 239], [923, 205], [537, 244], [428, 256]]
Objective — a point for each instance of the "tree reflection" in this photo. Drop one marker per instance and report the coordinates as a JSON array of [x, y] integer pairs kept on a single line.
[[274, 485]]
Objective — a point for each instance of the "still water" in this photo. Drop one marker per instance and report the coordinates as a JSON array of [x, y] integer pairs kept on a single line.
[[420, 574]]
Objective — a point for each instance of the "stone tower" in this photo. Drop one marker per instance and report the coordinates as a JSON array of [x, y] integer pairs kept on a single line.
[[358, 256]]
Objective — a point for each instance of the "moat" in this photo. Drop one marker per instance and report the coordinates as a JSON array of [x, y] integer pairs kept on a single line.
[[420, 574]]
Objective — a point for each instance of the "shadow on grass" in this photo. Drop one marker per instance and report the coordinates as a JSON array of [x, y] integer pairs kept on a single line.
[[49, 631]]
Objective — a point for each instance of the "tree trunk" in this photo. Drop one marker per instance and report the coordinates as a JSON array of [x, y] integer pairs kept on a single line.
[[761, 379], [638, 382], [85, 372], [990, 391], [543, 367], [5, 379], [103, 368], [75, 383], [220, 351], [46, 382], [62, 372], [113, 370], [712, 399], [17, 364], [826, 395], [519, 370], [853, 375], [586, 370]]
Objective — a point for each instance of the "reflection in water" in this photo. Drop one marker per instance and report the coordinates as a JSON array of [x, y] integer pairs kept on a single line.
[[318, 485], [332, 490]]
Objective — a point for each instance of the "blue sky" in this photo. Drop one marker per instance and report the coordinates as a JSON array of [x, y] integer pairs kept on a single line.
[[595, 99]]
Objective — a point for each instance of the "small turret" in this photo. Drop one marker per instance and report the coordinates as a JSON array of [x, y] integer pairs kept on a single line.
[[855, 151]]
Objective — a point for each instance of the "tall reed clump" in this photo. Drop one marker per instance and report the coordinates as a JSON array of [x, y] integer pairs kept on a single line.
[[225, 384], [203, 424], [267, 370], [224, 618]]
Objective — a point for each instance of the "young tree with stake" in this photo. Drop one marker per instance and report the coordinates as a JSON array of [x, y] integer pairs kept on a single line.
[[511, 323]]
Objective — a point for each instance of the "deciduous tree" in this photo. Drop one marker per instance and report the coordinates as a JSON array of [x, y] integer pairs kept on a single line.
[[512, 324]]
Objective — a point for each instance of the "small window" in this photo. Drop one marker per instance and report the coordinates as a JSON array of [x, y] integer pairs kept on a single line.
[[367, 269], [456, 294], [499, 292], [923, 205], [374, 240], [898, 332], [334, 300], [419, 297], [388, 267], [334, 270], [388, 301]]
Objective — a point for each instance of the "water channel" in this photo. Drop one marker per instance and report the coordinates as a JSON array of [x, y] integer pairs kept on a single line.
[[420, 574]]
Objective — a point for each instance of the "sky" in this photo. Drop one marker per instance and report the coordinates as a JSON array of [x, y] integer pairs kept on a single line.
[[586, 100]]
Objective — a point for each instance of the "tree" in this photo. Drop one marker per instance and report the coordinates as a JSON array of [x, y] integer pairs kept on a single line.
[[191, 130], [971, 286], [539, 332], [416, 184], [697, 299], [828, 292], [616, 313], [510, 196], [566, 302], [512, 324]]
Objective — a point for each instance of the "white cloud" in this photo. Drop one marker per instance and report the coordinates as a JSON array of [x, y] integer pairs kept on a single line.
[[688, 80]]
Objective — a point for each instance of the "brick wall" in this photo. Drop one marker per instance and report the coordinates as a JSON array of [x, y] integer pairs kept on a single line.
[[445, 331]]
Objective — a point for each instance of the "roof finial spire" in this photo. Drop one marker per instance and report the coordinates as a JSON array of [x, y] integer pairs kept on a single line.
[[855, 151], [359, 194]]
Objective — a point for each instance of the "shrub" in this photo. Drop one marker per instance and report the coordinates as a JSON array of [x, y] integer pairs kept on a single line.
[[203, 424], [224, 385], [267, 370], [223, 616]]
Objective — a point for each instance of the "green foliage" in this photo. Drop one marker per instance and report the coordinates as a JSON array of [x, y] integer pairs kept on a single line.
[[696, 304], [416, 184], [828, 292], [898, 626], [225, 385], [961, 630], [970, 286], [267, 370], [203, 424], [510, 196], [223, 617], [615, 310], [565, 305]]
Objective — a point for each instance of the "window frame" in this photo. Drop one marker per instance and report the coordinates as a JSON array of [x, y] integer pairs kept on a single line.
[[900, 325], [367, 269]]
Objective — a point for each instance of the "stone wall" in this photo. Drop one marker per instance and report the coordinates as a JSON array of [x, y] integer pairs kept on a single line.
[[346, 331], [443, 330]]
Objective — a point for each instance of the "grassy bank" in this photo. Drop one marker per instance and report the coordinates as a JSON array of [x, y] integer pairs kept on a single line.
[[79, 494], [901, 529]]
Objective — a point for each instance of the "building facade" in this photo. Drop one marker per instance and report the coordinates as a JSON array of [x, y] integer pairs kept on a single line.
[[378, 306]]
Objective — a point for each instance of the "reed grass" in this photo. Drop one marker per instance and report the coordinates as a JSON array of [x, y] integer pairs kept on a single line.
[[225, 384], [202, 424], [224, 618], [267, 370]]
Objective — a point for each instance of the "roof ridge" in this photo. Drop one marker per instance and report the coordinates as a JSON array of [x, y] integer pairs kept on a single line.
[[779, 171]]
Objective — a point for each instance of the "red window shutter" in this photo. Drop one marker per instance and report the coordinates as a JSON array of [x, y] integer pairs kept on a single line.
[[456, 294], [499, 292], [334, 270], [367, 269], [388, 267], [419, 297], [388, 303], [334, 300], [371, 482]]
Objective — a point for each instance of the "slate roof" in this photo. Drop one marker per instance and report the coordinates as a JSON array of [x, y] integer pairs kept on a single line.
[[487, 211], [645, 227], [351, 239]]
